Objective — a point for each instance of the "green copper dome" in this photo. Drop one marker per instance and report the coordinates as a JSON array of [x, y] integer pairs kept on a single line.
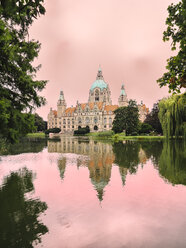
[[99, 83]]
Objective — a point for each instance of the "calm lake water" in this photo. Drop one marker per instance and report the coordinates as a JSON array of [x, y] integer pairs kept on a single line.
[[90, 194]]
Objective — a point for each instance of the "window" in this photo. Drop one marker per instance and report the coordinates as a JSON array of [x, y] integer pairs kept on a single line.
[[110, 120], [105, 120], [97, 96], [79, 120], [87, 120], [95, 120]]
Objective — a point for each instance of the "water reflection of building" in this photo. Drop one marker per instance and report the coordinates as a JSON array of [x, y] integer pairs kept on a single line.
[[101, 157], [62, 166], [100, 160]]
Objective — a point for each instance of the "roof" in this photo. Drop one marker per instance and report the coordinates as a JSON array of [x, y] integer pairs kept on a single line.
[[54, 113], [70, 110], [99, 83], [91, 105], [111, 107], [143, 106]]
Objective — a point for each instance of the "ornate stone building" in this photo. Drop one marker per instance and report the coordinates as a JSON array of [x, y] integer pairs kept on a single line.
[[97, 113]]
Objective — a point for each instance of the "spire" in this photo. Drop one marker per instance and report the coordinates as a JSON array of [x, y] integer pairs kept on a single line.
[[122, 92], [61, 97], [99, 74]]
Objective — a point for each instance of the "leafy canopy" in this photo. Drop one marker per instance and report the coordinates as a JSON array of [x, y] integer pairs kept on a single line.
[[39, 123], [127, 118], [172, 116], [153, 119], [18, 86], [175, 77]]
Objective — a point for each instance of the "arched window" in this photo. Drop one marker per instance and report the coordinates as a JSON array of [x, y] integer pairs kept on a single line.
[[95, 120], [79, 120], [110, 120], [97, 96], [105, 120], [87, 120], [95, 128]]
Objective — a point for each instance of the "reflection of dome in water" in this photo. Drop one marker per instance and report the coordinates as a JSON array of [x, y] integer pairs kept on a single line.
[[99, 187]]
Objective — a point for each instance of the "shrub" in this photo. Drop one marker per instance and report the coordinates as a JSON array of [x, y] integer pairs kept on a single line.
[[53, 130], [82, 131], [145, 128]]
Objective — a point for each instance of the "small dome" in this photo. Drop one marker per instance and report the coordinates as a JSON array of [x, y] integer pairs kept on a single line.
[[99, 83]]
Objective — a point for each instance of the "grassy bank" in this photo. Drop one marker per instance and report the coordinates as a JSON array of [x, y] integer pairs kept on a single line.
[[36, 135], [121, 136]]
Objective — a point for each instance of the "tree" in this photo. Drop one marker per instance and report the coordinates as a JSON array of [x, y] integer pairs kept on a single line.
[[172, 116], [18, 87], [40, 124], [145, 128], [20, 224], [127, 118], [153, 119], [175, 78]]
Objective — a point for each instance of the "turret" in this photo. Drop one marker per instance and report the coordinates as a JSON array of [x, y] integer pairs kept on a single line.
[[99, 74], [61, 105], [99, 91], [123, 101]]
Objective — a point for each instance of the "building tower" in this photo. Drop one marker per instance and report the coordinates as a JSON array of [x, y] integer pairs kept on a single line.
[[123, 101], [61, 105], [99, 91]]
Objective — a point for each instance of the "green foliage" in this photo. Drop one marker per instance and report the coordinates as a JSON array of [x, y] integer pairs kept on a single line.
[[127, 155], [153, 119], [152, 149], [40, 124], [145, 128], [172, 161], [172, 115], [82, 131], [104, 134], [175, 78], [18, 87], [13, 123], [20, 225], [127, 118], [26, 145], [53, 130]]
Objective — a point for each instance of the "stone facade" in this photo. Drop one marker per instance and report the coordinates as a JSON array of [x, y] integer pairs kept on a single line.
[[97, 113]]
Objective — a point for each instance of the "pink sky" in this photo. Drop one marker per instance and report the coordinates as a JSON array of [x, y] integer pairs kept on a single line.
[[124, 36]]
